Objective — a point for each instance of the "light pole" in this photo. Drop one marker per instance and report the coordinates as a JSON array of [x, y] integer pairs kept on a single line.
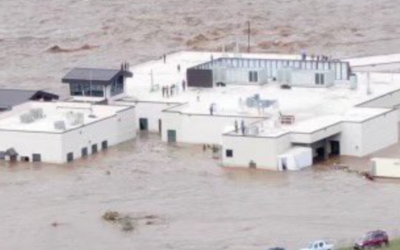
[[248, 36]]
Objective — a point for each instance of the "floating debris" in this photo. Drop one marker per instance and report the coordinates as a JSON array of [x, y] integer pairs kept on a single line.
[[58, 49], [129, 222]]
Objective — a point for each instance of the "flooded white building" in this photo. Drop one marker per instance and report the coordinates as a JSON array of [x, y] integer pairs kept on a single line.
[[59, 132], [276, 112]]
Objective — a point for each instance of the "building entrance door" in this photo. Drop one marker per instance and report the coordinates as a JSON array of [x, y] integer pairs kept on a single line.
[[335, 148], [171, 134], [143, 124]]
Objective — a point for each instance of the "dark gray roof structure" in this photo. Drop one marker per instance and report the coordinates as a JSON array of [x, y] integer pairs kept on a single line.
[[94, 75], [11, 152], [12, 97]]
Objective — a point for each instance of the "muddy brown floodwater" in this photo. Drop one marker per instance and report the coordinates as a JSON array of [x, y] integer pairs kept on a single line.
[[201, 205]]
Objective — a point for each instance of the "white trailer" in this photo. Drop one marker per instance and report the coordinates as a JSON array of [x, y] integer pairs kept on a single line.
[[295, 159], [385, 167]]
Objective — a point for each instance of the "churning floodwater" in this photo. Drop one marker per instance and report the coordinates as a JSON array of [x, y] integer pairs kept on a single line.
[[201, 205]]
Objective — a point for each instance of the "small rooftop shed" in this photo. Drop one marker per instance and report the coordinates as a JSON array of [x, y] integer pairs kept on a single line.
[[13, 97], [256, 71], [101, 84]]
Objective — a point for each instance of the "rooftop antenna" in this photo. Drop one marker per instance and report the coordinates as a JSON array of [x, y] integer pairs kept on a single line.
[[152, 78], [223, 50], [91, 78], [248, 36], [237, 49]]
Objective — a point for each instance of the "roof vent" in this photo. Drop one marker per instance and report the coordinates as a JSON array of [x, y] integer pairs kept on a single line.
[[60, 125]]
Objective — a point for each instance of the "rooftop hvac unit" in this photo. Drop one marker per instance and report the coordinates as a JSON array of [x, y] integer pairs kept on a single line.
[[59, 125], [74, 119], [37, 113], [26, 118]]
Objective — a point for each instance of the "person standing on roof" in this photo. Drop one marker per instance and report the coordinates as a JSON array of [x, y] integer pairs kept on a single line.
[[236, 126], [183, 85]]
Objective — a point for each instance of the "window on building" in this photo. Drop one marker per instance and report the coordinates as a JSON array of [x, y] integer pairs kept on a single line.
[[24, 158], [97, 90], [94, 149], [76, 89], [36, 157], [70, 157], [83, 89], [253, 76], [229, 153], [117, 87], [104, 145], [319, 79], [84, 152]]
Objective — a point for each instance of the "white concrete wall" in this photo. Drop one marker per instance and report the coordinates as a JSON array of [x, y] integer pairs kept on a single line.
[[27, 143], [379, 133], [306, 78], [386, 101], [200, 129], [114, 130], [361, 139], [263, 151], [308, 138], [54, 147], [153, 112], [126, 125], [172, 121]]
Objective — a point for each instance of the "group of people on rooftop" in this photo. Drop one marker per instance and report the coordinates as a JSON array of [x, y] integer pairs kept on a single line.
[[242, 127], [169, 91], [322, 58]]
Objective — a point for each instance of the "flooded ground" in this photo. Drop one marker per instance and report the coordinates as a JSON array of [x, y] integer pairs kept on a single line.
[[40, 40], [201, 205]]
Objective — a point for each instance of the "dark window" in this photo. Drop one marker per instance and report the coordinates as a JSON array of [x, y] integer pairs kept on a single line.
[[97, 90], [24, 158], [36, 157], [76, 89], [143, 124], [81, 89], [104, 145], [253, 76], [94, 149], [319, 79], [117, 87], [70, 157], [171, 136], [229, 153], [84, 152]]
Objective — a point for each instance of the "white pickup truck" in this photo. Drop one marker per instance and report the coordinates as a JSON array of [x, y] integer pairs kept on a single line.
[[319, 245]]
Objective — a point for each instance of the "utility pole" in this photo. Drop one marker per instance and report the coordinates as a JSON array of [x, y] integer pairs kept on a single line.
[[248, 36]]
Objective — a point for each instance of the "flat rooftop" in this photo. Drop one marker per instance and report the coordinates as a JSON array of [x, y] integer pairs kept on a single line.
[[313, 108], [72, 115]]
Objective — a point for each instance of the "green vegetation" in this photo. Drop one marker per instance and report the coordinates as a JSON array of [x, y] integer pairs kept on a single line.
[[394, 245]]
